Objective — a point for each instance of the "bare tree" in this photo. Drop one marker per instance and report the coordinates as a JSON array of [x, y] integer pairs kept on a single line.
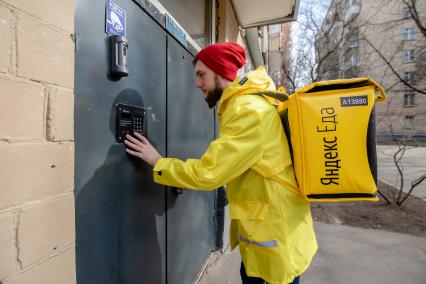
[[394, 76], [413, 9], [411, 15], [301, 68], [399, 196], [321, 35]]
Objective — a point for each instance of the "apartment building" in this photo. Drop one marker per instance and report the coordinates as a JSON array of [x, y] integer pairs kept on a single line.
[[383, 41]]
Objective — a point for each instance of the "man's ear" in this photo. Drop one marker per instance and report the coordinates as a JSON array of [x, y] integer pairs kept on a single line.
[[224, 83]]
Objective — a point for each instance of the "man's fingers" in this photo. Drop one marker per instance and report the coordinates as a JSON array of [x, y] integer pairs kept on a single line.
[[134, 140], [133, 145], [134, 153], [141, 138]]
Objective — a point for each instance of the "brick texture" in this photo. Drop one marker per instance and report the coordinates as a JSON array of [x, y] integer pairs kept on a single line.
[[44, 54], [60, 114], [7, 245], [45, 229], [37, 222], [21, 110], [57, 13], [35, 171], [58, 269], [5, 39]]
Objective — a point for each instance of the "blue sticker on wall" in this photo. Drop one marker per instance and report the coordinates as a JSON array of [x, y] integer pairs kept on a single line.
[[115, 19], [175, 30]]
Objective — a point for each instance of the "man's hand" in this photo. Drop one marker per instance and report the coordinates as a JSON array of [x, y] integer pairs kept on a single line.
[[141, 148]]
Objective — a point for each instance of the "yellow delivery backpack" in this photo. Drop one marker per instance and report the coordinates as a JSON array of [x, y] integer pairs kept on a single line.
[[330, 126]]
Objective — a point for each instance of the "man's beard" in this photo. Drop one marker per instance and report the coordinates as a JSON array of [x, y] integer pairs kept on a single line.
[[214, 95]]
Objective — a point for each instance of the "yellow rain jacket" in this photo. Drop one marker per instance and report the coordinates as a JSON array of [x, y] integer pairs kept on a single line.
[[271, 222]]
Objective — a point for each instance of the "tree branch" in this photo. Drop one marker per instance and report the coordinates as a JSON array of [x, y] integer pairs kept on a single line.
[[411, 4], [413, 185], [388, 63]]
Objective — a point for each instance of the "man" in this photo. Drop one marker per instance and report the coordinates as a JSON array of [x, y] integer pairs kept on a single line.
[[271, 222]]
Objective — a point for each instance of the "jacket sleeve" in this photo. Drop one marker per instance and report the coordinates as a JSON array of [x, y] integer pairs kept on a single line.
[[236, 150]]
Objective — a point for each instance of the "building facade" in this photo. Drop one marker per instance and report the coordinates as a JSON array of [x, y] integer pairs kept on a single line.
[[383, 41], [279, 52]]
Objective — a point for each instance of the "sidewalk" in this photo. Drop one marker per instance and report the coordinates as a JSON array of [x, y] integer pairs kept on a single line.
[[346, 255], [414, 165]]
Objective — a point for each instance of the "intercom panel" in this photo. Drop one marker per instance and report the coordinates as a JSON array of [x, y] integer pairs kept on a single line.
[[129, 119]]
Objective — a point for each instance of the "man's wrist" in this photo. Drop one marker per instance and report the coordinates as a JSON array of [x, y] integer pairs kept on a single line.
[[154, 162]]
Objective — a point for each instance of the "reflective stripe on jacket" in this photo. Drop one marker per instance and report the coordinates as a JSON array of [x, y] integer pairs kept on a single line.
[[270, 221]]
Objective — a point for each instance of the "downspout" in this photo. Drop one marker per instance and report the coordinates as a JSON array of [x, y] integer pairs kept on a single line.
[[253, 45]]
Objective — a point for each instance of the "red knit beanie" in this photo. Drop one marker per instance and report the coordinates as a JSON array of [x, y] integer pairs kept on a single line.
[[223, 58]]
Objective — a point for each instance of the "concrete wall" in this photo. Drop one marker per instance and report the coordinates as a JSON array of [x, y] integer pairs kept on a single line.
[[37, 237]]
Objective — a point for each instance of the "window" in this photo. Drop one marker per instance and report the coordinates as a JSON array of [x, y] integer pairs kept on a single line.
[[409, 55], [351, 3], [407, 13], [273, 29], [408, 76], [409, 34], [352, 60], [409, 100], [409, 122], [353, 41]]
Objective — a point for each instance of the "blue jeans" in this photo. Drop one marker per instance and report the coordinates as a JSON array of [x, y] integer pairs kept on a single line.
[[255, 280]]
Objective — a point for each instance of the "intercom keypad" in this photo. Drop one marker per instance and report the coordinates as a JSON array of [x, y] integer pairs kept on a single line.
[[129, 119]]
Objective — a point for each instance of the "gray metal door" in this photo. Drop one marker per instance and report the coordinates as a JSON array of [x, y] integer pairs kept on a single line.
[[190, 128], [130, 230], [120, 212]]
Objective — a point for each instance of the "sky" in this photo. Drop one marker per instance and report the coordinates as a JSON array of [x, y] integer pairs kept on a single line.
[[319, 9]]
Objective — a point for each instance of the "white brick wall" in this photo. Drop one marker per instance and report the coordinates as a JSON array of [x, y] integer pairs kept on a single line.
[[7, 243], [44, 54], [60, 112], [57, 270], [5, 39], [37, 222], [35, 171], [19, 100], [45, 229], [59, 14]]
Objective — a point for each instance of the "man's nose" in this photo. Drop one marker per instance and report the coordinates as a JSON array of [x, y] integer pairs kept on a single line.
[[198, 84]]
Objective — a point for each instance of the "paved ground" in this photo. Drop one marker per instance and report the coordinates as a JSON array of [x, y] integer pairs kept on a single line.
[[414, 165], [347, 255]]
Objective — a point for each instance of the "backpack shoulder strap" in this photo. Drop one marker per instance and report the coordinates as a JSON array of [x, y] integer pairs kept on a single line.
[[281, 99]]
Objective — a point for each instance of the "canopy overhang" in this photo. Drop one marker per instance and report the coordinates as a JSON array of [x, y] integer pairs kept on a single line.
[[255, 13]]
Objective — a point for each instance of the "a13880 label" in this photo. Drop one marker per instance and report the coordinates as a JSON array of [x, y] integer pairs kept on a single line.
[[354, 101]]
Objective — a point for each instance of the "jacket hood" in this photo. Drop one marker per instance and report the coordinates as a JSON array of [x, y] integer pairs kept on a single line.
[[254, 81]]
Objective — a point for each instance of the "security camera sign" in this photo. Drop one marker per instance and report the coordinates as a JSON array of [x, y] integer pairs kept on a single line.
[[115, 23]]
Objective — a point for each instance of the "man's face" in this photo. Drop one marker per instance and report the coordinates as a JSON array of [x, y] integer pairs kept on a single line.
[[208, 82]]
